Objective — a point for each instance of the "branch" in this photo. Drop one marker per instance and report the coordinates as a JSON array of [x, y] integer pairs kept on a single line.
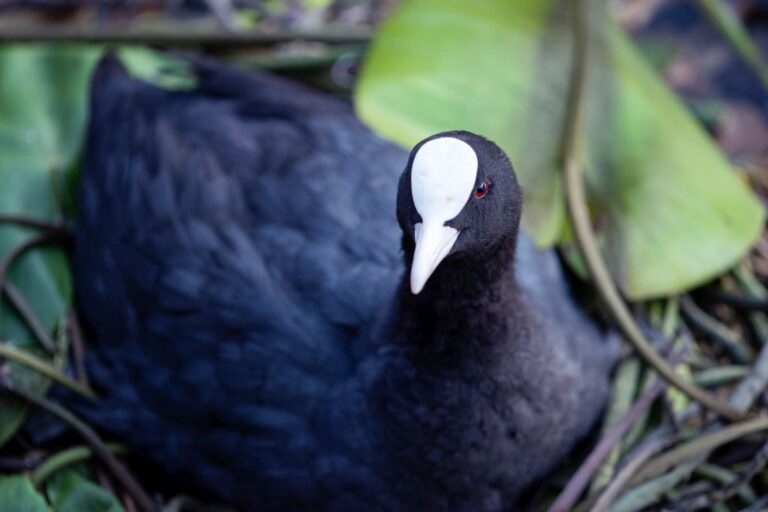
[[173, 35]]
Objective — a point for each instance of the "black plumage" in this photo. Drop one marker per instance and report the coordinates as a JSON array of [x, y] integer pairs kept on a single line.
[[239, 269]]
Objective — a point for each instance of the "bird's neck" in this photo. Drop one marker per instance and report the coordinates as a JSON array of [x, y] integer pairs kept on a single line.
[[468, 304]]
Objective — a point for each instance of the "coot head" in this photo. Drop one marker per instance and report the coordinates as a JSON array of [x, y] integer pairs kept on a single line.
[[458, 200]]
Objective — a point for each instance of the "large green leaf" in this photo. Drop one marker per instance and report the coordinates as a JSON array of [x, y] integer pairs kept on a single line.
[[668, 207], [18, 494]]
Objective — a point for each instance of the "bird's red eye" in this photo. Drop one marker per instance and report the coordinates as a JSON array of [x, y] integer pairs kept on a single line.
[[482, 189]]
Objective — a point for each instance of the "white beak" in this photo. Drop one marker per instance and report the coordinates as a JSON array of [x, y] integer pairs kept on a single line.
[[443, 174], [433, 243]]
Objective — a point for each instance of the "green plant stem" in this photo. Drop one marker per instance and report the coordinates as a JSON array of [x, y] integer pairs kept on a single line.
[[737, 36], [720, 375], [93, 440], [612, 490], [728, 478], [585, 237], [716, 331], [702, 444], [32, 361], [624, 388], [67, 457]]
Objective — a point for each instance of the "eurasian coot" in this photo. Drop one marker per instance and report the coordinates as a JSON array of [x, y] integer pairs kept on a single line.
[[263, 331]]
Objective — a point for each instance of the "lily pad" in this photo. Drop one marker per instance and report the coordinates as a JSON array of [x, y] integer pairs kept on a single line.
[[669, 209]]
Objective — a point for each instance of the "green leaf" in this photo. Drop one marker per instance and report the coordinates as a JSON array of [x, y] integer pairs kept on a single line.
[[42, 113], [668, 208], [17, 494], [70, 491]]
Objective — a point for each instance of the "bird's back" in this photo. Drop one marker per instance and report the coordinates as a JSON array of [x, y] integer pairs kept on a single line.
[[233, 244]]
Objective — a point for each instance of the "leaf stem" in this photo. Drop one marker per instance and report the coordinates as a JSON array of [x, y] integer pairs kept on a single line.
[[585, 237], [65, 458], [39, 365]]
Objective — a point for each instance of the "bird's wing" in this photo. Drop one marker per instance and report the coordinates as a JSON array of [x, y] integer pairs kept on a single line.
[[233, 243]]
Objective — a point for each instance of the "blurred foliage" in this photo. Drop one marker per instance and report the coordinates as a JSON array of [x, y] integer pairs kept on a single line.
[[669, 209]]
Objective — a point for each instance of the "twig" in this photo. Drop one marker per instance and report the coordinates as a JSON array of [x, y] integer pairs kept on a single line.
[[708, 500], [31, 222], [43, 367], [25, 311], [580, 479], [13, 255], [738, 301], [613, 489], [699, 445], [753, 384], [742, 398], [66, 458], [717, 332], [585, 237], [624, 389], [93, 440], [170, 36], [723, 476]]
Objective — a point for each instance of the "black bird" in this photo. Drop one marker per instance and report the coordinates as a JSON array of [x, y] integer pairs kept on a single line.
[[264, 332]]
